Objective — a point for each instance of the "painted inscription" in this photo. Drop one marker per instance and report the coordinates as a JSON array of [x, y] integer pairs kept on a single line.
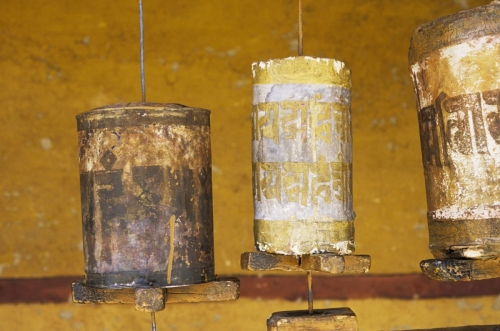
[[296, 118], [302, 182], [459, 124]]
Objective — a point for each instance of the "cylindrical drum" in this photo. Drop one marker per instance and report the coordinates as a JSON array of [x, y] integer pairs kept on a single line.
[[455, 66], [146, 191], [302, 156]]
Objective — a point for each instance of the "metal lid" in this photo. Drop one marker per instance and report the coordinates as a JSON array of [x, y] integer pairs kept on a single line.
[[454, 29], [141, 113]]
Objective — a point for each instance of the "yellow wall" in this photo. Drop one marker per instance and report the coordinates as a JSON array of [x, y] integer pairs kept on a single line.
[[247, 315], [59, 58]]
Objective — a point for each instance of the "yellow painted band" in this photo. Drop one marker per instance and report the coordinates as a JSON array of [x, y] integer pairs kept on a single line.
[[302, 70], [290, 236]]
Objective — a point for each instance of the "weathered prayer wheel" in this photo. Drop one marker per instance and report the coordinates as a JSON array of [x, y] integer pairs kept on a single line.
[[455, 66], [302, 156], [145, 174]]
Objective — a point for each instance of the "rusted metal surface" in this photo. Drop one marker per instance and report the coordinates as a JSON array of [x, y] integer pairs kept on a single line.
[[145, 172], [302, 156], [341, 319], [329, 263], [453, 270], [151, 299], [455, 68]]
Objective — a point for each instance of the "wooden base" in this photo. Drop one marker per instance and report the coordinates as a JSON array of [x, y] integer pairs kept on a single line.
[[341, 319], [154, 299], [330, 263], [453, 270]]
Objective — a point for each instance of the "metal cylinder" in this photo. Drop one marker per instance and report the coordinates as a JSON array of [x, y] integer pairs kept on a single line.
[[455, 66], [302, 156], [145, 175]]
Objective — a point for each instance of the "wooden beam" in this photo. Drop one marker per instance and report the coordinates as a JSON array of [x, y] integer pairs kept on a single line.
[[287, 287]]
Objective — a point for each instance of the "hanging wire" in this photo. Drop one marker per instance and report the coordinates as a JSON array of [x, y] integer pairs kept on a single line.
[[143, 88], [153, 321], [301, 33], [141, 42]]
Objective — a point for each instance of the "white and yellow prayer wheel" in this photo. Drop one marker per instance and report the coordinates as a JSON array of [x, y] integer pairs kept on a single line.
[[302, 156], [455, 66]]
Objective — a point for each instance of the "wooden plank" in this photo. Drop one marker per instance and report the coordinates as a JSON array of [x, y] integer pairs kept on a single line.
[[454, 270], [88, 294], [224, 289], [340, 319], [325, 262], [336, 264], [152, 299], [262, 261]]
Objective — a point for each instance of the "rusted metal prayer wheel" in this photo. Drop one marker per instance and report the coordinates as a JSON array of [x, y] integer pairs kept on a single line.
[[302, 156], [145, 172], [455, 66]]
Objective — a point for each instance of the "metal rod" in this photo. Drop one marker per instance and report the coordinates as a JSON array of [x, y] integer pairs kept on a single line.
[[141, 41], [301, 33], [310, 292], [153, 321], [143, 88]]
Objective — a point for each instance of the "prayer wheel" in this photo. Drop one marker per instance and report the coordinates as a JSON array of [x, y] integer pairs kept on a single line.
[[145, 174], [302, 156], [455, 66]]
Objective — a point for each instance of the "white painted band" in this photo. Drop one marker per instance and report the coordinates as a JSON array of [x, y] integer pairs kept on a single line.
[[302, 155], [282, 92]]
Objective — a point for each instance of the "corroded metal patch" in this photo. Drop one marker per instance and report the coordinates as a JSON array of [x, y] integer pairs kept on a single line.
[[455, 68], [145, 172]]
